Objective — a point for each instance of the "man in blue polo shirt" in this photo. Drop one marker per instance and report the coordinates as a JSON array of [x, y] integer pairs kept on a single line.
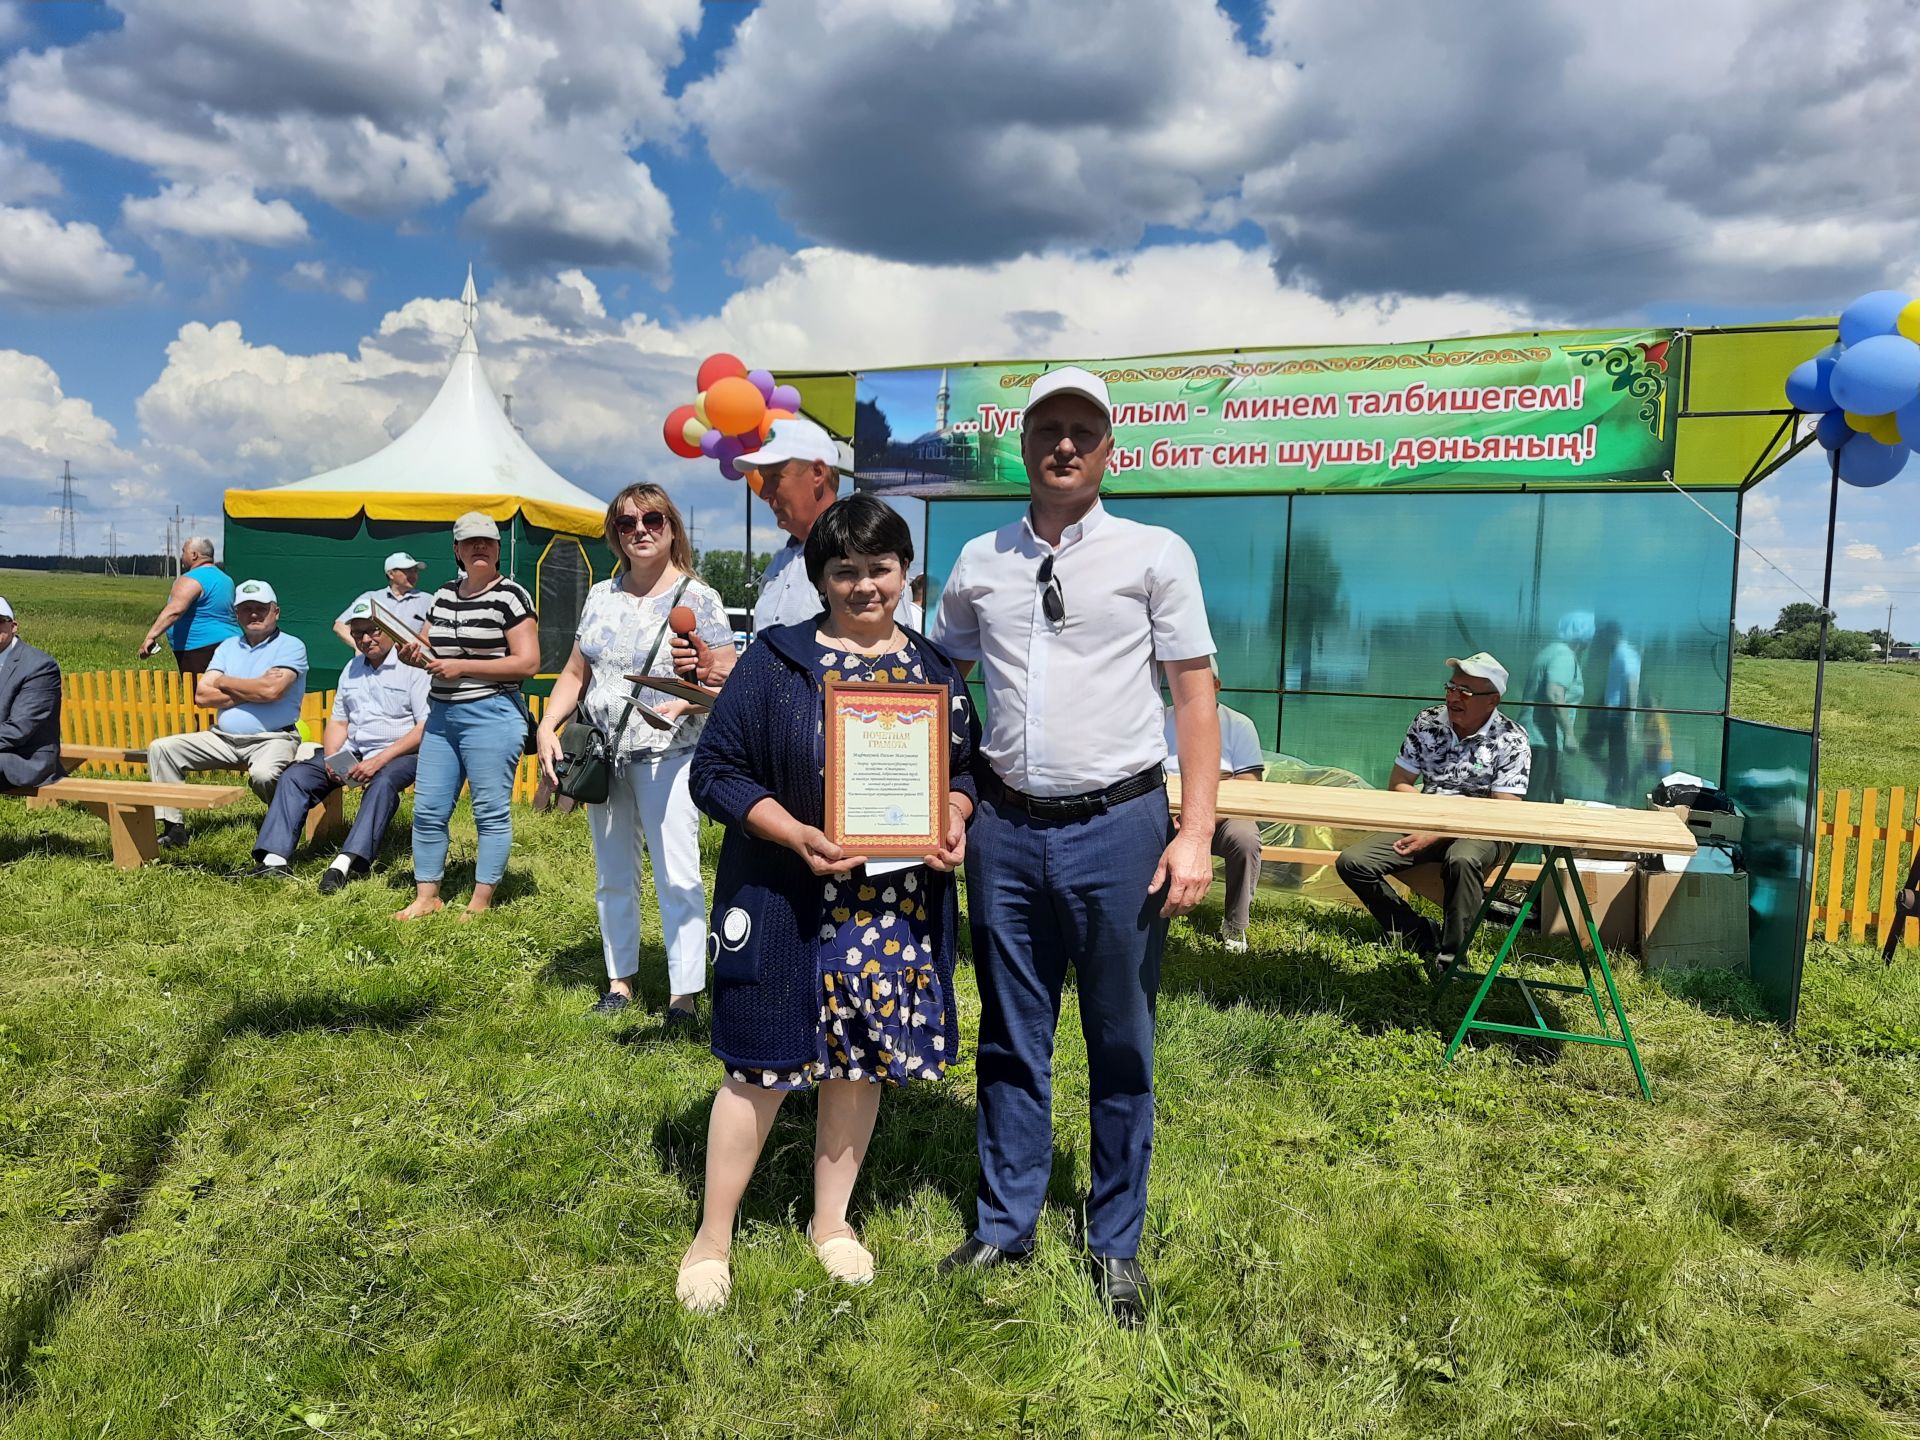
[[372, 740], [257, 681]]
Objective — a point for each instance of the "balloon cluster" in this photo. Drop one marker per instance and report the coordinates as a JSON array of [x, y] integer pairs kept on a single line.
[[1866, 389], [735, 412]]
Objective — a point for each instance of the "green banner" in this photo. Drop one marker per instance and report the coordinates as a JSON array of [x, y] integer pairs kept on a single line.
[[1564, 409]]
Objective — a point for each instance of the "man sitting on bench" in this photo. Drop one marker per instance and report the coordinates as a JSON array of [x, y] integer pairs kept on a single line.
[[372, 739], [1462, 747], [29, 710], [257, 681]]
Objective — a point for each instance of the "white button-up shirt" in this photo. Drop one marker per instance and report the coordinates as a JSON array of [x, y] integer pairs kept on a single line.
[[1239, 743], [380, 703], [1074, 707], [787, 596]]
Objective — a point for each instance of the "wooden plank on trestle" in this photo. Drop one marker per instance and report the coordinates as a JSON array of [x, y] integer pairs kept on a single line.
[[1837, 860]]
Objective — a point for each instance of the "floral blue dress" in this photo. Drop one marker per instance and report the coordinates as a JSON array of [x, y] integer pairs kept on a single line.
[[883, 1010]]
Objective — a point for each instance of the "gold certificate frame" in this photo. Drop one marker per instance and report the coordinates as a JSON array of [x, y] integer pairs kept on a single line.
[[887, 767]]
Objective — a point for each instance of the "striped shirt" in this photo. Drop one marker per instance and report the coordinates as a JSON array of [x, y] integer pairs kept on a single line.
[[475, 628]]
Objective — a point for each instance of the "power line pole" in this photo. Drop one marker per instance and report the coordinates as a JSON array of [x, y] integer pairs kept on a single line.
[[67, 495], [113, 550]]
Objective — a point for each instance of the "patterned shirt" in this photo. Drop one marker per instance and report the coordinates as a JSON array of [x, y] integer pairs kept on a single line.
[[475, 628], [1495, 760], [616, 631]]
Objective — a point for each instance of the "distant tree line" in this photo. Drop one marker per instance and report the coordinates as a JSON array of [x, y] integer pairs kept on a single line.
[[91, 564], [727, 572], [1795, 635]]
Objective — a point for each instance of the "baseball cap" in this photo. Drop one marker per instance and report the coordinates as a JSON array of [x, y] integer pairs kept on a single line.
[[254, 592], [1483, 666], [475, 525], [361, 609], [1069, 380], [401, 560], [795, 439], [6, 610]]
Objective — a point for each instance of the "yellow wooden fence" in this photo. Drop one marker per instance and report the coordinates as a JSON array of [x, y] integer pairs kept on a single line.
[[1863, 842], [128, 709]]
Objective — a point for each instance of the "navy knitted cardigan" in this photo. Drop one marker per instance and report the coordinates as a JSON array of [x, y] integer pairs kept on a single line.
[[764, 738]]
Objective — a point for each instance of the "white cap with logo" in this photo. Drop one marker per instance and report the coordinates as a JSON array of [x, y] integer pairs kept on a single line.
[[795, 439], [361, 609], [1069, 380], [6, 610], [254, 592], [401, 560], [1483, 666]]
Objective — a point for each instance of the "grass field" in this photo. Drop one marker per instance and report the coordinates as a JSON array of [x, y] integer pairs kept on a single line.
[[270, 1165]]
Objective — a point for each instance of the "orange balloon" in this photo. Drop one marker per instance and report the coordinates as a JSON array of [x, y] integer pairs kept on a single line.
[[735, 405], [755, 480], [766, 421]]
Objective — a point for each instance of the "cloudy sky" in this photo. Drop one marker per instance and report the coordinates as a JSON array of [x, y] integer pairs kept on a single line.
[[232, 231]]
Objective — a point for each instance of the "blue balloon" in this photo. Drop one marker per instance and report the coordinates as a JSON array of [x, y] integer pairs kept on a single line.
[[1833, 430], [1907, 417], [1865, 462], [1807, 386], [1878, 375], [1874, 313]]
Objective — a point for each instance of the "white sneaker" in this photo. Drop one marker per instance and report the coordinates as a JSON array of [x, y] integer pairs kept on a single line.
[[1234, 941]]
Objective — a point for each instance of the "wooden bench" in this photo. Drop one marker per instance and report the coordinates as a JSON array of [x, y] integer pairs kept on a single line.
[[326, 822], [128, 808]]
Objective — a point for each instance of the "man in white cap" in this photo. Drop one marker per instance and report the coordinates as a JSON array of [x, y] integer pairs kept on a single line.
[[372, 740], [1235, 841], [799, 479], [29, 709], [401, 597], [1462, 747], [1072, 858], [257, 681]]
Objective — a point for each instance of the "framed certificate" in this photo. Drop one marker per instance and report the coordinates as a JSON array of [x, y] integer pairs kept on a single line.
[[887, 757]]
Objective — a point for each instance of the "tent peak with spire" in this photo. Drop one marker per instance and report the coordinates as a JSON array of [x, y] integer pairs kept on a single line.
[[321, 540]]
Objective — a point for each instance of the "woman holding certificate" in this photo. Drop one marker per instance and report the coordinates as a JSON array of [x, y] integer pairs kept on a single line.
[[624, 630], [832, 967]]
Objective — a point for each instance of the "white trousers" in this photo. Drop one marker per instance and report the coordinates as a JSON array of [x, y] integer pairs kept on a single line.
[[649, 798]]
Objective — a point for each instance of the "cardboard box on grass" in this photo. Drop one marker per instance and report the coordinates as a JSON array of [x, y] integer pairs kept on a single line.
[[1613, 895], [1693, 922]]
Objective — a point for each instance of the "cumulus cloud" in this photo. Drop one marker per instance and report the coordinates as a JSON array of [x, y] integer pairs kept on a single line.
[[42, 428], [1860, 550], [222, 209], [47, 264], [21, 176], [380, 107], [349, 285], [1586, 160]]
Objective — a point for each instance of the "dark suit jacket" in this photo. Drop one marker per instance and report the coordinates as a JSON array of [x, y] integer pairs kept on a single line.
[[29, 716]]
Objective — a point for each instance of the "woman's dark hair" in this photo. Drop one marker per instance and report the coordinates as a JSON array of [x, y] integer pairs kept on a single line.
[[861, 524]]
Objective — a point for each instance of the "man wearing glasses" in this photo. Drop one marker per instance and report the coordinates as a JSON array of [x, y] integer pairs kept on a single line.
[[1462, 747], [1072, 858]]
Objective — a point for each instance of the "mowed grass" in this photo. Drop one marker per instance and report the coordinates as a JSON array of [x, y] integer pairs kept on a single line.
[[87, 621], [272, 1165]]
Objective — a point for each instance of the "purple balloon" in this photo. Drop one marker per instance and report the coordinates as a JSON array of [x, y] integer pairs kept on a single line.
[[727, 472], [710, 442], [762, 380], [732, 447], [784, 397]]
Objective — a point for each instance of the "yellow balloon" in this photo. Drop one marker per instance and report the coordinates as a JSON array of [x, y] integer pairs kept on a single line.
[[700, 408], [692, 430], [1908, 321], [1880, 427]]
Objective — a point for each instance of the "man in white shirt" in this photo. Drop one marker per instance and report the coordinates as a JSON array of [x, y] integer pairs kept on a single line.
[[379, 716], [799, 479], [1072, 858], [1235, 841], [402, 596]]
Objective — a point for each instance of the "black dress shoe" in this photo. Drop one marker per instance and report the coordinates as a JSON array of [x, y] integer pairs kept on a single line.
[[974, 1253], [173, 835], [680, 1020], [334, 881], [1122, 1287]]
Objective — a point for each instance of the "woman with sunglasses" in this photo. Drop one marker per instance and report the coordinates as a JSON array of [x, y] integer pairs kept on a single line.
[[626, 620]]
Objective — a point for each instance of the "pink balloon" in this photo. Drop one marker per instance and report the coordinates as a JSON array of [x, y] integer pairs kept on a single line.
[[761, 380], [784, 397]]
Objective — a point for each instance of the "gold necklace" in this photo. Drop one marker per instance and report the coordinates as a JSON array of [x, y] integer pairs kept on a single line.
[[887, 646]]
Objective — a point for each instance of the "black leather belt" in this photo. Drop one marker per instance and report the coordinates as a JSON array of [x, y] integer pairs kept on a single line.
[[1079, 807]]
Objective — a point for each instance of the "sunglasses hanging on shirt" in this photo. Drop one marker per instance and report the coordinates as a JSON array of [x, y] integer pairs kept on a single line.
[[1053, 601]]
